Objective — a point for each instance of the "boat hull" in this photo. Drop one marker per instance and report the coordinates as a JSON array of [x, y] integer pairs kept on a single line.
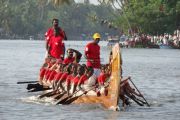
[[112, 99]]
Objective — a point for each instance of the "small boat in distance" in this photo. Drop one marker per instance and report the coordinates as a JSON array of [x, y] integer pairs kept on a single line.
[[112, 41], [165, 46]]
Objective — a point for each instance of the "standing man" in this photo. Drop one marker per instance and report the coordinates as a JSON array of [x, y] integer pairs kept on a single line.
[[92, 54], [51, 33], [55, 47]]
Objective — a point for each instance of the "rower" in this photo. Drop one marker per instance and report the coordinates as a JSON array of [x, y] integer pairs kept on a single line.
[[58, 75], [67, 71], [43, 70], [75, 81], [90, 83], [73, 56], [51, 66], [70, 78], [54, 72], [103, 80]]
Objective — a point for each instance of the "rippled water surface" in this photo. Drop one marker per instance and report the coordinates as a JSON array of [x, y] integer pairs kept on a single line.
[[156, 72]]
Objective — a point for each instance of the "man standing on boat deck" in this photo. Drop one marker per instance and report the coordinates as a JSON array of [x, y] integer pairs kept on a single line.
[[55, 46], [50, 34], [92, 54]]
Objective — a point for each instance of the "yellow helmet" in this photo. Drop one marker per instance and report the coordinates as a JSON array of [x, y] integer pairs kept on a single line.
[[96, 35]]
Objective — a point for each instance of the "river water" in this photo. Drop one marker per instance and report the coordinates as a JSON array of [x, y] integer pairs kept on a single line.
[[156, 72]]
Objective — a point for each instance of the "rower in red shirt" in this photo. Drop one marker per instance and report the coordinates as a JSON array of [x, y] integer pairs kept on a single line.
[[92, 54], [104, 75], [80, 72], [43, 70], [73, 56], [58, 75], [67, 71], [84, 77], [70, 77]]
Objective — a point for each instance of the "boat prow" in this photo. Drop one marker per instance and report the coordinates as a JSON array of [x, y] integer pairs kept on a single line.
[[111, 100]]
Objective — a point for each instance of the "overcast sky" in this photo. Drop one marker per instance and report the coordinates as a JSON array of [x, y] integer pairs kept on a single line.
[[91, 1], [95, 2]]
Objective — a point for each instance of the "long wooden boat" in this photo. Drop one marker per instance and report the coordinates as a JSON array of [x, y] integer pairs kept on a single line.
[[112, 99]]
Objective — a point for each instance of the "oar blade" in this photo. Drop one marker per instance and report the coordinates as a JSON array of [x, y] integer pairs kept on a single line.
[[25, 82], [62, 99], [46, 94], [58, 96]]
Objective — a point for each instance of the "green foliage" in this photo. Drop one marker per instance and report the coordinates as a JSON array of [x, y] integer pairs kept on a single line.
[[151, 16], [33, 17]]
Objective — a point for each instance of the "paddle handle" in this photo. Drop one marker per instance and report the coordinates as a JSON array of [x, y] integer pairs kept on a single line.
[[140, 93], [24, 82]]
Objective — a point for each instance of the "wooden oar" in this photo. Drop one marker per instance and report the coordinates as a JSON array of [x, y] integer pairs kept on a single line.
[[46, 94], [140, 93], [59, 95], [24, 82], [37, 90], [66, 97], [71, 99]]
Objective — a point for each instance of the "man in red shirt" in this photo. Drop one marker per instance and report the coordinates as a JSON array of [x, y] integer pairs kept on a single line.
[[55, 46], [50, 33], [73, 56], [92, 54]]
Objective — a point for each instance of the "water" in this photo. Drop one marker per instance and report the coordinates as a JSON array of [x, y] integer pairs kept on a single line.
[[156, 72]]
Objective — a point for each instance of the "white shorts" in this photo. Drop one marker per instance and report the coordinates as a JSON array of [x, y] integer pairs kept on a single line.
[[97, 72], [46, 54]]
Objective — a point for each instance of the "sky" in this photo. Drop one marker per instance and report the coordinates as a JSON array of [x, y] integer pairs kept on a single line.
[[95, 2], [91, 1]]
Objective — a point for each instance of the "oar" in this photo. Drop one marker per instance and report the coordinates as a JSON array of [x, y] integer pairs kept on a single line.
[[66, 97], [37, 90], [71, 99], [60, 95], [46, 94], [24, 82], [140, 93]]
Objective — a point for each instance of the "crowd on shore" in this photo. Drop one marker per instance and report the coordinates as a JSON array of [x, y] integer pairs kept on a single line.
[[150, 41]]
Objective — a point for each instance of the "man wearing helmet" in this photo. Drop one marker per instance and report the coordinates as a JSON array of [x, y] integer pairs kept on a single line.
[[92, 54]]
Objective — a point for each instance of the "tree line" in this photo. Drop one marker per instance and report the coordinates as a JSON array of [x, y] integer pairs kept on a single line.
[[24, 18], [21, 19], [153, 17]]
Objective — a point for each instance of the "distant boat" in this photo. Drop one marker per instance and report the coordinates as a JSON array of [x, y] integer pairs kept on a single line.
[[112, 42], [165, 46], [31, 38]]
